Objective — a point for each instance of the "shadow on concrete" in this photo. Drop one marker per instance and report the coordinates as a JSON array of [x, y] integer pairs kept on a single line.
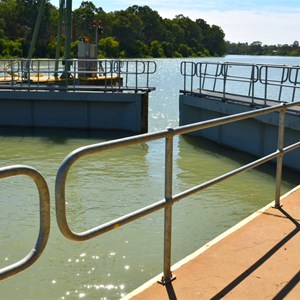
[[170, 291], [289, 286]]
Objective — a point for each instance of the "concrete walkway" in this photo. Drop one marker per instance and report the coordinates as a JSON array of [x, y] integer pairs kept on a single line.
[[257, 259]]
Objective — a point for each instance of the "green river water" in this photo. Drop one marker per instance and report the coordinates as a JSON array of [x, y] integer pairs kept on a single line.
[[108, 185]]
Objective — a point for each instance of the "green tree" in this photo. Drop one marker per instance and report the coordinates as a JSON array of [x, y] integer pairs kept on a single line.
[[83, 21], [256, 48], [184, 50], [137, 31], [216, 43], [127, 28], [152, 23], [156, 49], [192, 32], [168, 49], [9, 49], [109, 47]]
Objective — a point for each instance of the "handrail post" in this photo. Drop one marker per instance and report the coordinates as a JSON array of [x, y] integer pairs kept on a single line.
[[44, 226], [216, 75], [198, 71], [193, 69], [280, 156], [295, 84], [204, 77], [266, 85], [251, 85], [224, 80], [167, 275]]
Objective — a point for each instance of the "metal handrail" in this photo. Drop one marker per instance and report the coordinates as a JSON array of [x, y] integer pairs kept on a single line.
[[192, 70], [35, 253], [169, 199], [50, 74], [265, 82]]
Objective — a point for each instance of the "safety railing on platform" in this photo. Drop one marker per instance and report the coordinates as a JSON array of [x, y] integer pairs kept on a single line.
[[260, 83], [169, 199], [44, 201], [76, 74], [166, 203]]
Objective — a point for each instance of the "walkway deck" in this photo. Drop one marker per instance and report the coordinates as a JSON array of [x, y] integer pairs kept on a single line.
[[241, 99], [256, 259]]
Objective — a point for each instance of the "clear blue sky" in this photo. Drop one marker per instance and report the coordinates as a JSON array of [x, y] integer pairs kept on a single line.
[[268, 21]]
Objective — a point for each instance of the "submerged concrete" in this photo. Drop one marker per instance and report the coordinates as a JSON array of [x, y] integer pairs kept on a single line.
[[75, 110], [257, 136]]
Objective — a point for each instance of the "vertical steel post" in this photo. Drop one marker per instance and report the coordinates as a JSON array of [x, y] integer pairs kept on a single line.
[[224, 80], [295, 83], [280, 157], [204, 77], [136, 74], [36, 29], [216, 76], [184, 77], [96, 39], [59, 31], [34, 36], [193, 73], [266, 86], [251, 84], [199, 67], [68, 25], [167, 277]]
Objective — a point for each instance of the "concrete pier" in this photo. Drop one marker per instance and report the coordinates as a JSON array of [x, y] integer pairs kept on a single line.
[[94, 94], [75, 110], [257, 136]]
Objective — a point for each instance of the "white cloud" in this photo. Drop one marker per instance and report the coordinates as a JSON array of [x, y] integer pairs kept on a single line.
[[248, 26], [269, 28], [271, 22]]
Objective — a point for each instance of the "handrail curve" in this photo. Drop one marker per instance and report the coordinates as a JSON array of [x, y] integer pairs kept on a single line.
[[263, 81], [44, 230], [51, 74], [170, 199]]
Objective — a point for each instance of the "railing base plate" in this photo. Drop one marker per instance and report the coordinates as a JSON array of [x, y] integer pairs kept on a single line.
[[164, 281]]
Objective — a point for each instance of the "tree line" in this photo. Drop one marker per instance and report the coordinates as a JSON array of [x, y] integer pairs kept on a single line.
[[257, 48], [136, 32]]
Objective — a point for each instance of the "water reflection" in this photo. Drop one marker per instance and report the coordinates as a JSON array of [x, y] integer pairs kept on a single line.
[[222, 152], [209, 212], [103, 187], [108, 185], [60, 135]]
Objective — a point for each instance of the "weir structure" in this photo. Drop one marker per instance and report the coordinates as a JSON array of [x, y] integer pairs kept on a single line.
[[95, 95], [259, 113], [213, 90], [169, 198], [85, 93]]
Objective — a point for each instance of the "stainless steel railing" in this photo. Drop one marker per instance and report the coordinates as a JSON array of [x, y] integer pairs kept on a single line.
[[50, 74], [166, 203], [191, 72], [278, 83], [169, 199], [44, 200]]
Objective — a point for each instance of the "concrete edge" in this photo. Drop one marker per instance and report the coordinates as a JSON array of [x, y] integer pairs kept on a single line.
[[207, 246]]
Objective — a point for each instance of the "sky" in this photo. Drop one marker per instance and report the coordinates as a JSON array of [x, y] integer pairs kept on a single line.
[[271, 22]]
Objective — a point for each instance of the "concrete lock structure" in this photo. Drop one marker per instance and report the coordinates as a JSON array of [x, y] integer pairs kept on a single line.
[[94, 94], [222, 92]]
